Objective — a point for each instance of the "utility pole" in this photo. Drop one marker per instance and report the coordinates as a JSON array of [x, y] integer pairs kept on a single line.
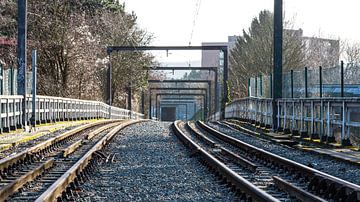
[[277, 70], [21, 56]]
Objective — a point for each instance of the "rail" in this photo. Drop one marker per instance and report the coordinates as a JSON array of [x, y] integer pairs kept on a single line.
[[324, 118], [53, 109]]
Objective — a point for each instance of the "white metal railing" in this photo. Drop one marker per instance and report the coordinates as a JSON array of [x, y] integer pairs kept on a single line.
[[324, 118], [52, 109]]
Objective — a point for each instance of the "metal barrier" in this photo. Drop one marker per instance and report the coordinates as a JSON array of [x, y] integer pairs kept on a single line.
[[53, 109], [327, 118]]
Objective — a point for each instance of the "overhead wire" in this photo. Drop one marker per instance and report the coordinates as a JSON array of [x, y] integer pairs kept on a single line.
[[196, 14]]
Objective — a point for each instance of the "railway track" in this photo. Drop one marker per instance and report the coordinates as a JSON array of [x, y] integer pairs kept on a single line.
[[53, 168], [260, 175]]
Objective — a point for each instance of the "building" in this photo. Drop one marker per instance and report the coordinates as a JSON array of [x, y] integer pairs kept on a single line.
[[321, 52], [317, 51]]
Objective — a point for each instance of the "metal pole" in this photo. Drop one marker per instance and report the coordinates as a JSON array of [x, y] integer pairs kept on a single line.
[[2, 79], [342, 79], [156, 107], [150, 105], [292, 83], [216, 91], [306, 81], [109, 82], [33, 114], [271, 86], [21, 55], [142, 102], [12, 81], [278, 59], [256, 87], [129, 99], [225, 98], [249, 87], [320, 82], [261, 87]]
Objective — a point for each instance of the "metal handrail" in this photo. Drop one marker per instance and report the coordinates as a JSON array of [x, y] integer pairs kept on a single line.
[[53, 109]]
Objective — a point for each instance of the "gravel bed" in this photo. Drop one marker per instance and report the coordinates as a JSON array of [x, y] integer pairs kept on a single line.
[[343, 170], [25, 145], [151, 164]]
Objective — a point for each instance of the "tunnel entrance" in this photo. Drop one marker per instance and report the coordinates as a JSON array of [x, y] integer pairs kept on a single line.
[[168, 114]]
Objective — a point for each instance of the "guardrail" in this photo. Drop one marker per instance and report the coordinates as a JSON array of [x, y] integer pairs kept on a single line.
[[326, 118], [53, 109]]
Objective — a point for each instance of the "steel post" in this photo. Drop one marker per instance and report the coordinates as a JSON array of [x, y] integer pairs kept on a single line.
[[306, 82], [292, 83], [21, 55], [129, 98], [226, 93], [342, 78], [249, 86], [216, 91], [33, 113], [150, 105], [109, 84], [142, 102], [278, 59], [2, 79], [320, 82]]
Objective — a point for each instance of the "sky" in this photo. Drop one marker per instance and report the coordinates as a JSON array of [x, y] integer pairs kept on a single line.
[[171, 21]]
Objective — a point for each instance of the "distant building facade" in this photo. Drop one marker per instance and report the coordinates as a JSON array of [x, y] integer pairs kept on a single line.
[[317, 51]]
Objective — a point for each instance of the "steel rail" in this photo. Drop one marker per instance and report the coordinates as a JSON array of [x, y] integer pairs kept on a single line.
[[58, 187], [239, 182], [336, 186]]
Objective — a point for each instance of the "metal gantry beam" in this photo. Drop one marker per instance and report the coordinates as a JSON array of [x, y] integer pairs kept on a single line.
[[176, 88], [224, 49], [214, 69], [111, 49], [180, 81]]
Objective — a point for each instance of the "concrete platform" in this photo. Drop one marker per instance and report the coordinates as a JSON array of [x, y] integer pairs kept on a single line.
[[7, 140], [342, 154]]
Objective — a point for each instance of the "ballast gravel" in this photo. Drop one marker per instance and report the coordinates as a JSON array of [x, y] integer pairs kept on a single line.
[[340, 169], [151, 164]]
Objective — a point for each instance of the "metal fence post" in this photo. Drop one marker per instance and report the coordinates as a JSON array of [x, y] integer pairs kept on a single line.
[[256, 86], [320, 82], [306, 82], [249, 87], [342, 78], [2, 79], [261, 85], [292, 83], [12, 81], [271, 86], [33, 114]]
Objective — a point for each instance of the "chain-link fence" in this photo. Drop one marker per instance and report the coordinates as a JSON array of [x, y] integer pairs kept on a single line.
[[340, 81], [8, 83]]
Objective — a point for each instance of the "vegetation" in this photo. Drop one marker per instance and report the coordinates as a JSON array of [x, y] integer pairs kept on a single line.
[[253, 53], [71, 37]]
